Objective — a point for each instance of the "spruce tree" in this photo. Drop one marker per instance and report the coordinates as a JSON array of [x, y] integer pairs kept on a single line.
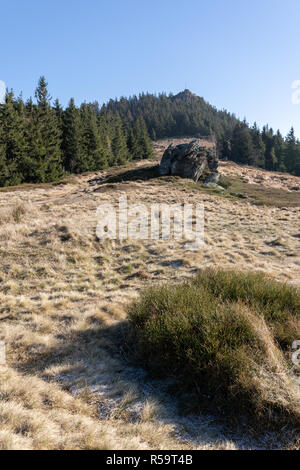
[[225, 149], [271, 159], [73, 157], [279, 147], [32, 163], [297, 159], [45, 139], [241, 144], [59, 113], [95, 153], [118, 143], [290, 153], [98, 148], [258, 147], [132, 144], [105, 138], [12, 143], [3, 164], [143, 139], [153, 134]]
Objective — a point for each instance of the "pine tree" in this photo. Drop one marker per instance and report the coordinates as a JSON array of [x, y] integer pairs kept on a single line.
[[279, 147], [132, 144], [225, 149], [73, 157], [32, 164], [297, 165], [59, 113], [45, 137], [144, 144], [290, 153], [94, 149], [241, 144], [3, 164], [270, 156], [271, 159], [98, 148], [258, 147], [105, 139], [119, 144], [153, 134], [297, 159], [12, 143]]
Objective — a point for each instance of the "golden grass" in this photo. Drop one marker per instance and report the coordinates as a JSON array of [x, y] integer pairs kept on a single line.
[[62, 297]]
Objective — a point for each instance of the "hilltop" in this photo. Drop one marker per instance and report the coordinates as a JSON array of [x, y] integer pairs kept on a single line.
[[186, 95], [183, 114]]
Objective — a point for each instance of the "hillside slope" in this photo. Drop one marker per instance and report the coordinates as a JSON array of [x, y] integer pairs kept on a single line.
[[67, 383], [180, 115]]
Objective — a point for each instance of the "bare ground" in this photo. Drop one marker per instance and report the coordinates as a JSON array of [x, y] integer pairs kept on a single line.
[[67, 382]]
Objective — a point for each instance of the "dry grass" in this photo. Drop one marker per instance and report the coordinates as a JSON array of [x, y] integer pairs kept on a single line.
[[62, 295], [268, 179]]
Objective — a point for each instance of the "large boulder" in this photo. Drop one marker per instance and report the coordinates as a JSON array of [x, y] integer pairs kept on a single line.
[[191, 160]]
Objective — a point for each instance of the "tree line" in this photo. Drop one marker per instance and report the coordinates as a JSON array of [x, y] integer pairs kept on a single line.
[[41, 142], [263, 148]]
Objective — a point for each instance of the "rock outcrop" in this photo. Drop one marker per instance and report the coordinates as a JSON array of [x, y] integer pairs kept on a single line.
[[191, 160]]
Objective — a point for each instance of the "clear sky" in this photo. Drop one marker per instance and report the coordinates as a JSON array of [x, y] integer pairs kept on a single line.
[[242, 55]]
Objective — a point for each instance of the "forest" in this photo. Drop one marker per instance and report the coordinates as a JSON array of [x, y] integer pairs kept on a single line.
[[40, 141]]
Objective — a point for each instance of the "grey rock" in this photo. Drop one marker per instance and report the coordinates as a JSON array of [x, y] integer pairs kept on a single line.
[[213, 185], [189, 161], [212, 178], [240, 195]]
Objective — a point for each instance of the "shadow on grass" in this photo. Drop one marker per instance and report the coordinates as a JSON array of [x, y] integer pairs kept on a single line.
[[84, 349], [135, 174], [101, 362]]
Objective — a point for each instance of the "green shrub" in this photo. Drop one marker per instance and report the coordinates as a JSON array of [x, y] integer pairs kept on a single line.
[[211, 335], [279, 303]]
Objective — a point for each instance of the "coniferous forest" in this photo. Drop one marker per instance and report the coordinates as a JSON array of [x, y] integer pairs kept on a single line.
[[40, 141]]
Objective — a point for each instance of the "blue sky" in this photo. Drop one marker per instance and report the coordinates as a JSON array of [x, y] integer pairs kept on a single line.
[[242, 55]]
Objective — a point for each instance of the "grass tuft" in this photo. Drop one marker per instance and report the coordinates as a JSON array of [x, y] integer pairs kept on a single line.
[[217, 335]]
